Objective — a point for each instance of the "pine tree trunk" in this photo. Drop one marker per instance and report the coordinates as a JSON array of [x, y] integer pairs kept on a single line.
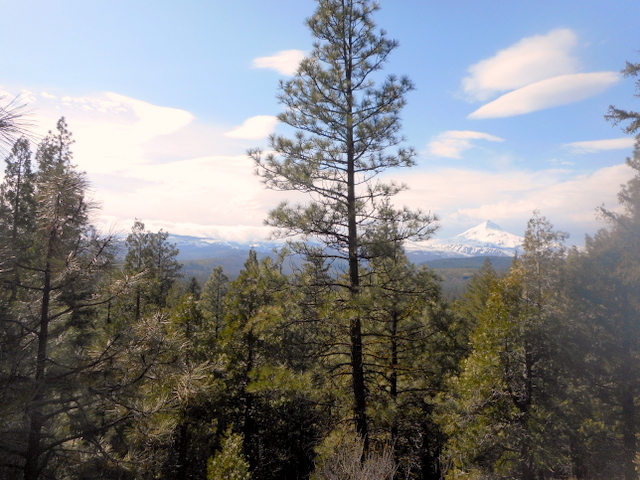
[[32, 455], [357, 366], [629, 433]]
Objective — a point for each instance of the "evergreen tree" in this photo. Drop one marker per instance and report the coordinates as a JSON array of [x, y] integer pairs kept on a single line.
[[154, 258], [55, 407], [346, 127], [13, 124], [229, 463], [477, 293], [255, 289], [270, 401], [414, 343], [505, 422], [212, 299], [17, 211], [605, 282], [618, 115]]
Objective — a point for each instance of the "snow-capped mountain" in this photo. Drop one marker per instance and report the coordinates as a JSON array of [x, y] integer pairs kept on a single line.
[[486, 239]]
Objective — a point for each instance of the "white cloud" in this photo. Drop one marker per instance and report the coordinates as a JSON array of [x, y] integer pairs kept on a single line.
[[570, 200], [27, 96], [47, 95], [285, 62], [530, 60], [112, 131], [593, 146], [560, 161], [465, 197], [254, 128], [157, 164], [229, 233], [162, 166], [548, 93], [216, 190], [452, 143]]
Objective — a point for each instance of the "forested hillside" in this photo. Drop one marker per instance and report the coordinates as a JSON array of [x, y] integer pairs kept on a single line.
[[350, 365]]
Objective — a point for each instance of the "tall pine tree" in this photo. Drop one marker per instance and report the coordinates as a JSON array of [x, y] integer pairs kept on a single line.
[[346, 129]]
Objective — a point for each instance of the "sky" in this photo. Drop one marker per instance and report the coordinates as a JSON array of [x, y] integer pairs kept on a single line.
[[164, 98]]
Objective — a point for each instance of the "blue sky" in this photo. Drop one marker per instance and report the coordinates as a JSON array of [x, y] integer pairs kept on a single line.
[[164, 98]]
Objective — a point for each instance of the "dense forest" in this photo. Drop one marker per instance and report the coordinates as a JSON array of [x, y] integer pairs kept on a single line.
[[353, 366]]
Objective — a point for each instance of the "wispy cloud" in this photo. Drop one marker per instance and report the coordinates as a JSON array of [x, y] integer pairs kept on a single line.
[[285, 62], [452, 143], [530, 60], [548, 93], [593, 146], [254, 128]]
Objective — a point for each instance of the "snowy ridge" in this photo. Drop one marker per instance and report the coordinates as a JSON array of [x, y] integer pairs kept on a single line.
[[486, 239]]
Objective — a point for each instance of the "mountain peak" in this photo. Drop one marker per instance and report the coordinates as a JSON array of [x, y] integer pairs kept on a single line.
[[489, 233], [492, 226], [481, 229]]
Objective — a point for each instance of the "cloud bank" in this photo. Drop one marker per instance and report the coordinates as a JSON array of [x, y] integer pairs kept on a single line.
[[123, 145], [160, 165]]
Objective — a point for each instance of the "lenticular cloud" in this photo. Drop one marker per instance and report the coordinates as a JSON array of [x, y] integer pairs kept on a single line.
[[530, 60], [548, 93]]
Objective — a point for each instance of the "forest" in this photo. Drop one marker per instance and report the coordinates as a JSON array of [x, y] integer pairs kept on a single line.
[[354, 366]]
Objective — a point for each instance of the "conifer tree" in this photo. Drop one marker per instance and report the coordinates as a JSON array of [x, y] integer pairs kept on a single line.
[[605, 284], [618, 115], [52, 402], [13, 123], [153, 257], [212, 299], [229, 463], [17, 211], [505, 422], [347, 133]]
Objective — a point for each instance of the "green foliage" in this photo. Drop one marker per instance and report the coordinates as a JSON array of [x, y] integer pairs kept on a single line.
[[413, 343], [617, 115], [503, 417], [62, 390], [347, 133], [212, 298], [17, 213], [13, 123], [605, 344], [17, 194], [173, 438], [477, 293], [229, 463], [267, 397], [151, 256]]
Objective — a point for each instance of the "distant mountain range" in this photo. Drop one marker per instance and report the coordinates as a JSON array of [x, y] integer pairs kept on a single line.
[[484, 240]]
